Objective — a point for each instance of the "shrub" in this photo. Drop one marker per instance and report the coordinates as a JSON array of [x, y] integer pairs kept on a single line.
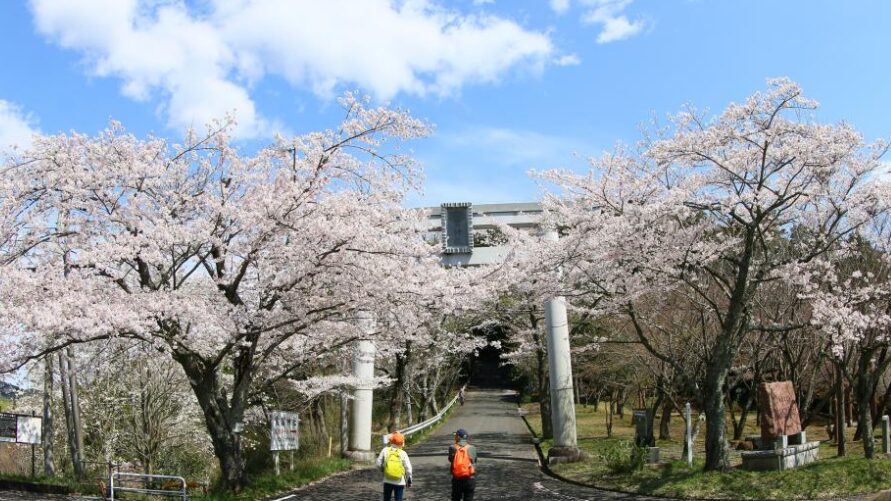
[[623, 457]]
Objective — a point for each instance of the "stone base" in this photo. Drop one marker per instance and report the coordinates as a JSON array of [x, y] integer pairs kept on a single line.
[[652, 455], [565, 455], [361, 456], [785, 458]]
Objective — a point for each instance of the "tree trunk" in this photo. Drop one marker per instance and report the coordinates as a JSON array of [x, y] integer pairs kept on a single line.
[[425, 398], [406, 386], [344, 424], [713, 403], [881, 408], [739, 426], [396, 399], [738, 434], [544, 393], [651, 420], [47, 433], [864, 389], [222, 414], [840, 410], [69, 418], [75, 414], [620, 404], [665, 422]]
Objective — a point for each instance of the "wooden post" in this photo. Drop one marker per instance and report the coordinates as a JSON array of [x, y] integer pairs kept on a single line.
[[275, 461]]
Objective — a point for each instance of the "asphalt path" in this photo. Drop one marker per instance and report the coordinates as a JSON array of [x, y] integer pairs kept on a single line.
[[507, 469]]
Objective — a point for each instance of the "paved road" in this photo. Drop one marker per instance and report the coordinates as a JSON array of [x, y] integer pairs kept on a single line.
[[27, 496], [507, 470]]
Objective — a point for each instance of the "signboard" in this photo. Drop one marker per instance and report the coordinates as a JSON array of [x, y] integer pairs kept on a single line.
[[7, 427], [284, 434], [29, 428], [20, 428]]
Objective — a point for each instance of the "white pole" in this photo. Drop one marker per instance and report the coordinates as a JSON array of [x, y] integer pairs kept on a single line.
[[886, 443], [360, 417], [560, 372]]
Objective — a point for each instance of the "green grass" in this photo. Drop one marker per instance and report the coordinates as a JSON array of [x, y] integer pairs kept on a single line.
[[829, 477], [87, 485], [269, 484]]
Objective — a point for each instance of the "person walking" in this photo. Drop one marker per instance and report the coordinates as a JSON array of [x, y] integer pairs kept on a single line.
[[461, 395], [463, 457], [394, 463]]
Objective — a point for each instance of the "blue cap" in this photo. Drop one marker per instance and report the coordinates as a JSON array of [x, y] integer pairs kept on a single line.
[[461, 433]]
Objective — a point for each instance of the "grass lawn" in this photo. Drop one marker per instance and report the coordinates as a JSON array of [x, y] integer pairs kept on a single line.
[[269, 484], [828, 477]]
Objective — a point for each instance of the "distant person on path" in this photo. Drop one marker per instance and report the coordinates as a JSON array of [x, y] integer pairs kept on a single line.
[[394, 463], [461, 396], [462, 457]]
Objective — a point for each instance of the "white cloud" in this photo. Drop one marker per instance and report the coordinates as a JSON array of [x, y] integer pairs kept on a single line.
[[203, 62], [559, 6], [615, 25], [482, 2], [16, 126], [568, 60]]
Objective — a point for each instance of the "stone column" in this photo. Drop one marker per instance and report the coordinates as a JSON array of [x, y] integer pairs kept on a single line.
[[360, 413], [565, 447], [886, 443]]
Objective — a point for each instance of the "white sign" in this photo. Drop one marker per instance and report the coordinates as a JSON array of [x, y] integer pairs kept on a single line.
[[284, 434], [28, 430]]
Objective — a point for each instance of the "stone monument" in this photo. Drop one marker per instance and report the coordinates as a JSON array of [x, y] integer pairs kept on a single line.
[[643, 436], [783, 444]]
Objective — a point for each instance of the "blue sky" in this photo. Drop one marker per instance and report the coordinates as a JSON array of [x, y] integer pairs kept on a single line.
[[511, 85]]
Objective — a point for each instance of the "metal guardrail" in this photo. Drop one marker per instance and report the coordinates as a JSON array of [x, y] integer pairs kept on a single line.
[[112, 488], [429, 422]]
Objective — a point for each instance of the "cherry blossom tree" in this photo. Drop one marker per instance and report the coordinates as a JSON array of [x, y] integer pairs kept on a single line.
[[241, 268], [849, 293], [704, 205]]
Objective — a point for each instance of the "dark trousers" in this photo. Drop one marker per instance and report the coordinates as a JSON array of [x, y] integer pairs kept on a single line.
[[462, 488], [391, 490]]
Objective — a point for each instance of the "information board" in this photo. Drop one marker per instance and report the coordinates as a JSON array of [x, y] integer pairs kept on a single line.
[[20, 428], [29, 430], [284, 434], [7, 427]]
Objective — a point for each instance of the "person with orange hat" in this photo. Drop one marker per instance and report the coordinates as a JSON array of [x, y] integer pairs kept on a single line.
[[394, 463]]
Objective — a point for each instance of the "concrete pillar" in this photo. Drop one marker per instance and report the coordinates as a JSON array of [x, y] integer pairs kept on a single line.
[[560, 371], [688, 434], [360, 413], [886, 443]]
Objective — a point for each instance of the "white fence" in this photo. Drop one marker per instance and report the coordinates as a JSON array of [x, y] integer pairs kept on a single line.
[[427, 423], [146, 484]]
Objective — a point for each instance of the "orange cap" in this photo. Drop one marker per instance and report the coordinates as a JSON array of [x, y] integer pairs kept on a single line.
[[397, 438]]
